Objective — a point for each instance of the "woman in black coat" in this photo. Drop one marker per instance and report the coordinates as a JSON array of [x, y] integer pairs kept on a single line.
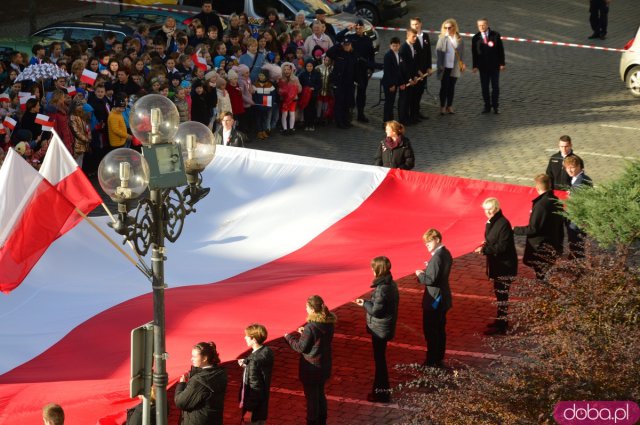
[[395, 150], [502, 260], [200, 393], [314, 346], [256, 379], [382, 316]]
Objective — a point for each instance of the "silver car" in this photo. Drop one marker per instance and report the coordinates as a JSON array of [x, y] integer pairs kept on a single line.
[[630, 65]]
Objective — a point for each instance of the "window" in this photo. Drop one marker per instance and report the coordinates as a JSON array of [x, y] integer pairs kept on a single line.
[[51, 33]]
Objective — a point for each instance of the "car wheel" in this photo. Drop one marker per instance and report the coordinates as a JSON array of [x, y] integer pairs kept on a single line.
[[369, 13], [633, 81]]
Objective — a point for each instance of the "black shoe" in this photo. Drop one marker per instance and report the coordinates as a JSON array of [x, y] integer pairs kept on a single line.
[[379, 398], [362, 118], [496, 111], [486, 110], [603, 37], [594, 35]]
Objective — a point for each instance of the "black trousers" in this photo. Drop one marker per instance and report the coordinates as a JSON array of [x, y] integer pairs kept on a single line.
[[490, 97], [389, 103], [361, 95], [316, 403], [405, 100], [418, 91], [598, 16], [344, 101], [433, 326], [501, 289], [310, 112], [447, 88], [381, 379]]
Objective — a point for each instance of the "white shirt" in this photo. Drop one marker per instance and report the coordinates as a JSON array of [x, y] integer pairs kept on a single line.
[[225, 136], [573, 179]]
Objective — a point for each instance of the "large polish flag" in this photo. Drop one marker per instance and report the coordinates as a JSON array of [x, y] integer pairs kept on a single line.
[[63, 172], [32, 213], [275, 229]]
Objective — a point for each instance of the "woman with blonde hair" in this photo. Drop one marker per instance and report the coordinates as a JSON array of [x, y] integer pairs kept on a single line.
[[314, 346], [449, 52]]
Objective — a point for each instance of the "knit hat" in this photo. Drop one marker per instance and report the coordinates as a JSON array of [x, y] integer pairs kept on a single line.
[[218, 60], [308, 61], [185, 84], [23, 135], [231, 75], [209, 75]]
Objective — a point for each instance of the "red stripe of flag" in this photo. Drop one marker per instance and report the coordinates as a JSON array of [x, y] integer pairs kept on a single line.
[[88, 76], [42, 119], [71, 90], [199, 61], [9, 122]]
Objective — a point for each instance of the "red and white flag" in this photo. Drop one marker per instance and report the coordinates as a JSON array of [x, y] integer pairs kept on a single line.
[[32, 214], [9, 122], [199, 61], [43, 119], [71, 90], [4, 97], [25, 94], [88, 77], [2, 129], [23, 101], [62, 171]]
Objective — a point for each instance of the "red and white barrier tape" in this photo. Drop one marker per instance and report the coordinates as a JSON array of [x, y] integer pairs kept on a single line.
[[518, 39]]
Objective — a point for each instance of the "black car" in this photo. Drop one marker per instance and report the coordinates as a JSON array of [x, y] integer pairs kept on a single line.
[[84, 30], [374, 11]]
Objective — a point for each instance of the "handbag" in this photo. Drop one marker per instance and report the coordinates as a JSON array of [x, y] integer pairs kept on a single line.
[[460, 63]]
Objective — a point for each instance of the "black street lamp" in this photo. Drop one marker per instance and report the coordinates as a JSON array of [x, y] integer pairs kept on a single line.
[[173, 155]]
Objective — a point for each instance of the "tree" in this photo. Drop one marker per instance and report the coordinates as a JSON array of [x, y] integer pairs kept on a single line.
[[610, 213]]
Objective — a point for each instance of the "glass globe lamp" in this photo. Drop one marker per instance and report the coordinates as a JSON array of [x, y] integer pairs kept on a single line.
[[123, 174], [154, 119], [197, 146]]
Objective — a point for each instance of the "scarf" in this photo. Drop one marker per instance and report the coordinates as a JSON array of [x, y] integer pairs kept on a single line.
[[390, 143]]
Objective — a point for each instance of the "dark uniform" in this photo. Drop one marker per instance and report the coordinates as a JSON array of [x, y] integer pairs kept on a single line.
[[365, 63], [342, 79]]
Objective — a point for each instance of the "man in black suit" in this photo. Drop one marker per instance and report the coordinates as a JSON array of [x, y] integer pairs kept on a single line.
[[409, 74], [343, 80], [545, 232], [391, 77], [436, 300], [423, 55], [575, 236], [598, 18], [560, 180], [502, 261], [487, 52]]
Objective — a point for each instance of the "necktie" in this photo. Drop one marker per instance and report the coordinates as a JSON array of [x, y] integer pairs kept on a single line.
[[484, 37]]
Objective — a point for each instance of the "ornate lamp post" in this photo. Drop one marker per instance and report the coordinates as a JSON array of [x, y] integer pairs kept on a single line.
[[173, 156]]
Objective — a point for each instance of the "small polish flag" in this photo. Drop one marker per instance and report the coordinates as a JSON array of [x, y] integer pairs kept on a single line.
[[42, 119], [10, 123], [23, 101], [4, 97], [24, 94], [88, 77], [267, 101], [48, 126], [71, 90], [2, 129], [199, 61], [62, 171]]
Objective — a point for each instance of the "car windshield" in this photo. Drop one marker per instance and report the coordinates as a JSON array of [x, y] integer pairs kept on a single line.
[[310, 6]]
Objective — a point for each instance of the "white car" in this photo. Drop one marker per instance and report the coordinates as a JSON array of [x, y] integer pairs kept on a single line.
[[630, 65]]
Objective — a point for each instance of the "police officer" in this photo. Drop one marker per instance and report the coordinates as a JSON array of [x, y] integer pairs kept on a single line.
[[365, 62], [342, 79]]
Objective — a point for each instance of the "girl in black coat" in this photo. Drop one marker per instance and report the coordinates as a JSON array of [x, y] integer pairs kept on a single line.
[[382, 316], [203, 100], [200, 393], [314, 346], [395, 150]]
